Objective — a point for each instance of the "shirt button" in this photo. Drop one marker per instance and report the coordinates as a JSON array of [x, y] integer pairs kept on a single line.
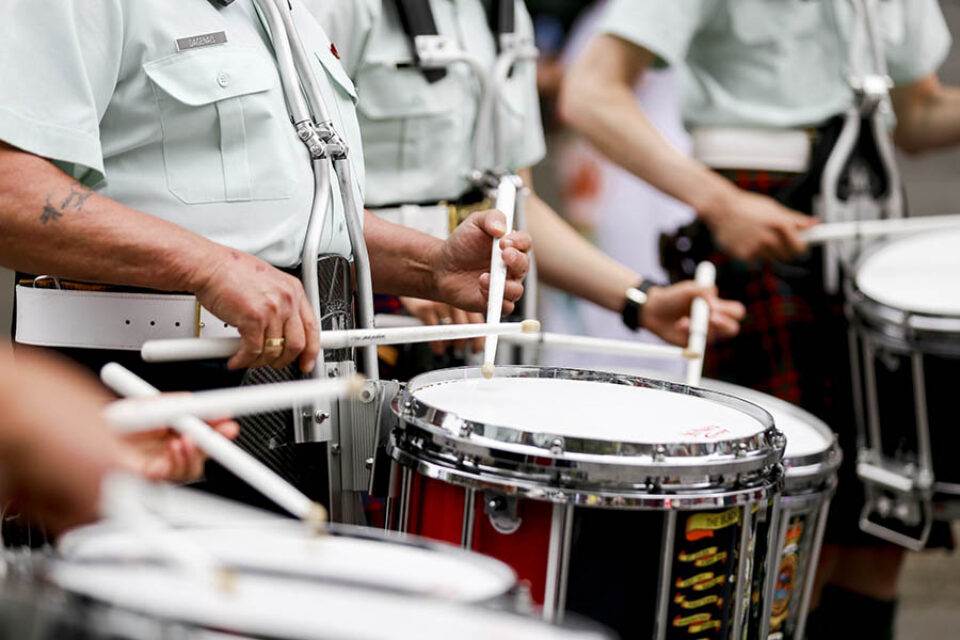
[[223, 78]]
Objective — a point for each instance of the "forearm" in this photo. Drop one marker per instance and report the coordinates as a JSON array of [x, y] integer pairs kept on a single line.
[[598, 100], [928, 116], [54, 225], [401, 259], [566, 260]]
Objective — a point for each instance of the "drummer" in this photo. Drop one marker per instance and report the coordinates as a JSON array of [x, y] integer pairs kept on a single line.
[[146, 147], [417, 133], [55, 454], [776, 72]]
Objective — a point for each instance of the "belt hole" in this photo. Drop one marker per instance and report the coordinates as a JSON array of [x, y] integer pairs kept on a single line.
[[126, 322], [176, 324], [153, 323]]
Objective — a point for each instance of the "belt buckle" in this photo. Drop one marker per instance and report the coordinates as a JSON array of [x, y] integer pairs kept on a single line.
[[460, 212], [198, 324]]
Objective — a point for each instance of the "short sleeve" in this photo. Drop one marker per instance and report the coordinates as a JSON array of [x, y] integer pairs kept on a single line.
[[348, 23], [58, 72], [923, 43], [665, 28]]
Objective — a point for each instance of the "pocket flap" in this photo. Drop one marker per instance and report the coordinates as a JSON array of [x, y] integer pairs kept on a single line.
[[336, 72], [203, 76], [388, 92]]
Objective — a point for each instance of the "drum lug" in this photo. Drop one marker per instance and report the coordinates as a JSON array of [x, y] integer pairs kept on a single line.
[[502, 511]]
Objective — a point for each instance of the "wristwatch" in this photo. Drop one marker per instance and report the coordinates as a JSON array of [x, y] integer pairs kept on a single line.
[[636, 298]]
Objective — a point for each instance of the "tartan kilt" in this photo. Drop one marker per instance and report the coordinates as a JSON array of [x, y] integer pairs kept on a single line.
[[793, 340]]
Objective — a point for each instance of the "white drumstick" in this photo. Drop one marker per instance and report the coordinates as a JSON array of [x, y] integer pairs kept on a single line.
[[205, 348], [121, 500], [599, 345], [506, 204], [706, 276], [239, 462], [834, 231], [152, 413]]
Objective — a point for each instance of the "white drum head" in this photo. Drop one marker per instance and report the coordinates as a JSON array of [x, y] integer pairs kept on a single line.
[[286, 548], [919, 274], [272, 607], [806, 434], [589, 409]]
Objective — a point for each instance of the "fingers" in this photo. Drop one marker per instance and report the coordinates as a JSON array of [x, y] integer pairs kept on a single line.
[[517, 262], [520, 240], [460, 317], [311, 332], [294, 341], [251, 346], [493, 222], [723, 326], [476, 344]]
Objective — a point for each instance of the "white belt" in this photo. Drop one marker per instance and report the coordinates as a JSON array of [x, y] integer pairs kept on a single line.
[[760, 149], [433, 220], [110, 320]]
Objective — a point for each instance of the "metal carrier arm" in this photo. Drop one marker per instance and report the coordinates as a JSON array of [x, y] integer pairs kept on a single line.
[[348, 431], [871, 87]]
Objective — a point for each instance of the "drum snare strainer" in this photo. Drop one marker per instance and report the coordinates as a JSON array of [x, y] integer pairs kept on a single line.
[[532, 466]]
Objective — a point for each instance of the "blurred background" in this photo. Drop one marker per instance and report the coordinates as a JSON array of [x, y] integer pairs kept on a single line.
[[576, 182]]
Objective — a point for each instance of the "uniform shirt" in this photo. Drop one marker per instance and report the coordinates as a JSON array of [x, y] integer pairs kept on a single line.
[[418, 136], [773, 63], [199, 137]]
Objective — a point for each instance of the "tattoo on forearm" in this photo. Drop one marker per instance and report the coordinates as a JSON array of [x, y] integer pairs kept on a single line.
[[49, 214], [75, 199]]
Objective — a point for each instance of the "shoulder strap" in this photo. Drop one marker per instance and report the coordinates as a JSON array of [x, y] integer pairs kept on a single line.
[[501, 15], [416, 17]]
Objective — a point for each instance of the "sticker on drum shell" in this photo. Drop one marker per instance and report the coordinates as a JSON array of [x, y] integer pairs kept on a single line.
[[703, 573]]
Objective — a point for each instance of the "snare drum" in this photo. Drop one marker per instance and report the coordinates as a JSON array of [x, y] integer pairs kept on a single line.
[[811, 460], [904, 303], [289, 583], [643, 504]]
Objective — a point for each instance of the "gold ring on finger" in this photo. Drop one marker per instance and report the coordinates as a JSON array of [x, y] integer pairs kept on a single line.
[[274, 343]]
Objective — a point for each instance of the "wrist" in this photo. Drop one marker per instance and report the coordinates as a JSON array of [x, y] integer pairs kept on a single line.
[[192, 268], [714, 205], [635, 303]]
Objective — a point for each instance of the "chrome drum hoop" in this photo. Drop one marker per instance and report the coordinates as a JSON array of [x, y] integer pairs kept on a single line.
[[581, 460], [650, 497]]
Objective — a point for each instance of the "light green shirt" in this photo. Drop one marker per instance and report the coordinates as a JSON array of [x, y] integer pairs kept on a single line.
[[418, 136], [773, 63], [199, 137]]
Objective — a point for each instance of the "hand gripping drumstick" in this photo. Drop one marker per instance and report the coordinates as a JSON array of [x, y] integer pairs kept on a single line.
[[506, 204], [834, 231], [706, 276], [238, 461], [204, 348]]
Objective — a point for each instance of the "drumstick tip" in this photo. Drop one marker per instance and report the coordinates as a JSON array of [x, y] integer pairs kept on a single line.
[[487, 370], [530, 326], [316, 517]]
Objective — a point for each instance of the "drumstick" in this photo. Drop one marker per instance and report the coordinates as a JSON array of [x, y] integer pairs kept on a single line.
[[120, 501], [239, 462], [204, 348], [151, 413], [833, 231], [599, 345], [506, 204], [705, 276]]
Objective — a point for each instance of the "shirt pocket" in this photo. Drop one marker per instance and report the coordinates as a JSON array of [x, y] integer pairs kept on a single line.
[[774, 23], [224, 139], [410, 124]]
